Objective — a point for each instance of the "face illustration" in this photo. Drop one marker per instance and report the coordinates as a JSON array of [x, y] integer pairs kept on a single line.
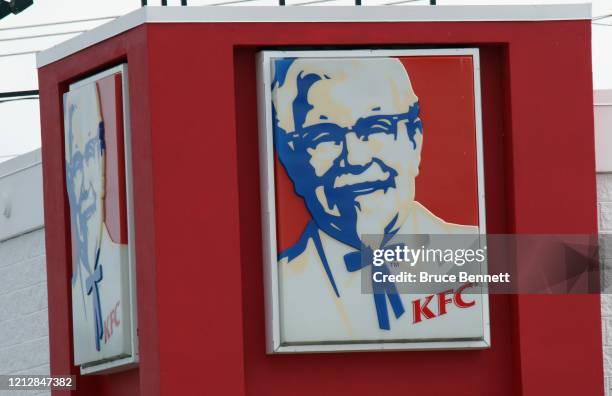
[[349, 136], [84, 168]]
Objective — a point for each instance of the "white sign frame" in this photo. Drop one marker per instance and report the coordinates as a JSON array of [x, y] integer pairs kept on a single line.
[[268, 205], [131, 361]]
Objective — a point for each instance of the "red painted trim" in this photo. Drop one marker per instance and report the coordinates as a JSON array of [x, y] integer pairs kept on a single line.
[[54, 80]]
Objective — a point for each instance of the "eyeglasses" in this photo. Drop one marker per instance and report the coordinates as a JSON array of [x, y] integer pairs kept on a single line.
[[311, 136]]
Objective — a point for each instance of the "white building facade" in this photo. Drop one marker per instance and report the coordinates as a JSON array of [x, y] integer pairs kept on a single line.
[[24, 321]]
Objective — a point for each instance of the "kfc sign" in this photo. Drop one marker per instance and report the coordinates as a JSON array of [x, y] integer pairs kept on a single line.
[[98, 183], [356, 143]]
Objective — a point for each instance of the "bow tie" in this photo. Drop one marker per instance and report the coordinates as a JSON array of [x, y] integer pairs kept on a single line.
[[91, 285], [354, 261]]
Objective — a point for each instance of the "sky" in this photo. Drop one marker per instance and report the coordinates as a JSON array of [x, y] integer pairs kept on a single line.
[[19, 120]]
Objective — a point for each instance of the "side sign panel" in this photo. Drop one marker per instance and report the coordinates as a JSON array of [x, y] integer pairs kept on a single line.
[[98, 192]]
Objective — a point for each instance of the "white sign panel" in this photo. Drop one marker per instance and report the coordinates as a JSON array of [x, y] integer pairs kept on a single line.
[[98, 181], [368, 151]]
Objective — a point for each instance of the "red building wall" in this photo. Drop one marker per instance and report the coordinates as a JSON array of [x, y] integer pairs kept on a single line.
[[197, 211]]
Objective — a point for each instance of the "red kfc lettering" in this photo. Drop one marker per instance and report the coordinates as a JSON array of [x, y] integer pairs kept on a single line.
[[443, 300], [113, 316], [459, 301], [108, 331], [112, 321], [423, 310]]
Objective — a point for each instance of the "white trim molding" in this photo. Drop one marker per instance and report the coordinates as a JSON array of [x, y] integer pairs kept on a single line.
[[220, 14]]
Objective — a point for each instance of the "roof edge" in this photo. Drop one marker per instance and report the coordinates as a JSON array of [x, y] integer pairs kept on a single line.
[[334, 14]]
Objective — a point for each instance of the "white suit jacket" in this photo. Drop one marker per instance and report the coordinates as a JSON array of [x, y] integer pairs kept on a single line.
[[326, 302]]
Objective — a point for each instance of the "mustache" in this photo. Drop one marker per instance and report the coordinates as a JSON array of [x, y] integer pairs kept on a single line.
[[374, 172], [343, 183]]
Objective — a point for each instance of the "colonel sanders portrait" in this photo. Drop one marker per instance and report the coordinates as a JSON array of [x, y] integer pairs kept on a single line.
[[348, 133], [85, 186]]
